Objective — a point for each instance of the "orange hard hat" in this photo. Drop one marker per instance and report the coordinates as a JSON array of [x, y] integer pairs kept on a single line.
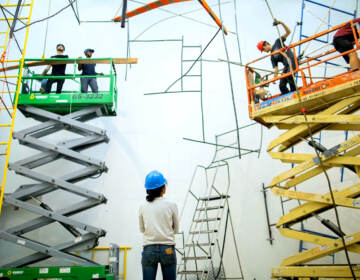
[[260, 45]]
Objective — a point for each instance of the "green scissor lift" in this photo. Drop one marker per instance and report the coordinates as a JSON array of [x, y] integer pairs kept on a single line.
[[64, 104], [69, 101]]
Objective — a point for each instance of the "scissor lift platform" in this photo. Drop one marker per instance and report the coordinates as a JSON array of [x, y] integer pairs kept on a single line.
[[315, 98], [69, 101]]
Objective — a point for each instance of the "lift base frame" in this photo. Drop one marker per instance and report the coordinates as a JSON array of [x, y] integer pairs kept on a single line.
[[60, 272]]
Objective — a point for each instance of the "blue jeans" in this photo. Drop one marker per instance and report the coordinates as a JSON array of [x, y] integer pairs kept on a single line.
[[152, 255], [86, 82]]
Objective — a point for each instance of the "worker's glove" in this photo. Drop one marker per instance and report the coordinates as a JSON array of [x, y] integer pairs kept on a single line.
[[276, 22]]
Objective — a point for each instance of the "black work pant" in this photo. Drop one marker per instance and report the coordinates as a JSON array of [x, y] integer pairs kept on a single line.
[[345, 43], [284, 82], [59, 85]]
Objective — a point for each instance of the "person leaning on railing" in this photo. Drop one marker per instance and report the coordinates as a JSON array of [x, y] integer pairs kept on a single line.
[[88, 69], [264, 46], [57, 70], [344, 41]]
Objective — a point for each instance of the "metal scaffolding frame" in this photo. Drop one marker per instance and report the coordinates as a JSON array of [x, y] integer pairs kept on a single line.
[[184, 61], [220, 144], [186, 71], [325, 42]]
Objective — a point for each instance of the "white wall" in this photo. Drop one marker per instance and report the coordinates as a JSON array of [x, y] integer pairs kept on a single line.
[[147, 133]]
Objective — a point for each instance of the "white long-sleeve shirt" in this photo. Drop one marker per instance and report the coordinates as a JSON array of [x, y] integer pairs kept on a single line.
[[159, 222]]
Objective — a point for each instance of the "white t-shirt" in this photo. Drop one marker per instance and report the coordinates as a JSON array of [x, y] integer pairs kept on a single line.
[[159, 222]]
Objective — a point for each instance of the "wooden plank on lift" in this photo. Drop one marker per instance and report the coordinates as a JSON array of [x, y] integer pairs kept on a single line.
[[72, 61]]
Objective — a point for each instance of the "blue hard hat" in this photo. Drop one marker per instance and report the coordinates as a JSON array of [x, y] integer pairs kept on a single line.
[[154, 180], [60, 45], [89, 50]]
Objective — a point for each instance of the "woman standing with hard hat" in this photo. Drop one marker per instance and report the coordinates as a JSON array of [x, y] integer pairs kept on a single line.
[[158, 220]]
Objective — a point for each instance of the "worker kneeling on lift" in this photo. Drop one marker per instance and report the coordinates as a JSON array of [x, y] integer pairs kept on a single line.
[[285, 57], [57, 70], [259, 93], [344, 41], [88, 70]]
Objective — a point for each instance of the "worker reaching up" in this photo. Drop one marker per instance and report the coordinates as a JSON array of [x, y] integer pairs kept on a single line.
[[344, 41], [285, 57], [158, 220]]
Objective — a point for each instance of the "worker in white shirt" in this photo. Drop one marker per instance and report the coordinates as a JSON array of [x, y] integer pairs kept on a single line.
[[158, 220]]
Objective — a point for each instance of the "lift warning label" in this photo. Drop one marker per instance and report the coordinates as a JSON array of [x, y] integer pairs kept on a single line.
[[44, 270], [65, 270], [88, 96]]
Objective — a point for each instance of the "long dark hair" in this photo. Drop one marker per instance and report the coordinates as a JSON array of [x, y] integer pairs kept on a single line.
[[152, 194]]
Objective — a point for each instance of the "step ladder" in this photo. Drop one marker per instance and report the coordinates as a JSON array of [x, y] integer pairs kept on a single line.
[[15, 16], [202, 255], [78, 136]]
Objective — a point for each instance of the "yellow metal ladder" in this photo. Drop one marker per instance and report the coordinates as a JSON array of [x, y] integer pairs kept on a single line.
[[12, 45]]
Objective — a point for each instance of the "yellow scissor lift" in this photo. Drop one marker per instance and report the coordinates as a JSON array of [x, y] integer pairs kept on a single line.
[[320, 104], [12, 44]]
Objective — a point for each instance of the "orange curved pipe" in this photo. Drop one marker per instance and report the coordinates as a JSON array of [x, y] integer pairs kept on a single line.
[[160, 3], [149, 7], [213, 15]]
